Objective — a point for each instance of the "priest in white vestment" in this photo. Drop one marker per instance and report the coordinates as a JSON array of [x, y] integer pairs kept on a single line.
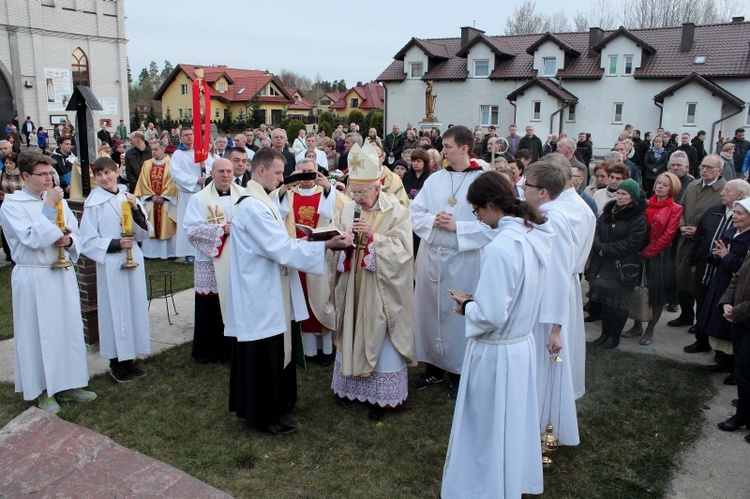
[[121, 293], [494, 449], [312, 203], [373, 293], [208, 223], [545, 182], [157, 192], [189, 178], [49, 352], [264, 295], [449, 257]]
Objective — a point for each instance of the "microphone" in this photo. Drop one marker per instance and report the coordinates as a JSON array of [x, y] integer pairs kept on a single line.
[[357, 214]]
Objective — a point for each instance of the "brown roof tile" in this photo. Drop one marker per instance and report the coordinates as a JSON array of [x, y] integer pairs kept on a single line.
[[725, 45], [548, 86], [710, 86]]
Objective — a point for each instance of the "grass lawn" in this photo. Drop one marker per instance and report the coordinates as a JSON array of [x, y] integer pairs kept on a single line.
[[182, 279], [639, 411]]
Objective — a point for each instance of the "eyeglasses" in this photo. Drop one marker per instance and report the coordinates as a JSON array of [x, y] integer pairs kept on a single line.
[[709, 167], [532, 185], [43, 174], [475, 211], [361, 194]]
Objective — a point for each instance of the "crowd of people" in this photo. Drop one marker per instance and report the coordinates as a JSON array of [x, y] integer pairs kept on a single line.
[[375, 254]]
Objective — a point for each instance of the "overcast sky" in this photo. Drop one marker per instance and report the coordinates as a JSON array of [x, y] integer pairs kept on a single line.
[[350, 39]]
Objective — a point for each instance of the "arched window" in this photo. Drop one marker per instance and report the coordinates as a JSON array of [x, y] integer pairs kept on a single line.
[[79, 65]]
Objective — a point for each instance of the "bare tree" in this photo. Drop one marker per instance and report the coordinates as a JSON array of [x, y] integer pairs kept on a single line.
[[664, 13], [291, 79], [525, 20]]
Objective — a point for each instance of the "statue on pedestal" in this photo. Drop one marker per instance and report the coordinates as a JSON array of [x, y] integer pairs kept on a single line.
[[429, 104]]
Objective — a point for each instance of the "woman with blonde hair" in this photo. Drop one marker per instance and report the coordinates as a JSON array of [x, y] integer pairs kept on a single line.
[[436, 160], [663, 220], [372, 138]]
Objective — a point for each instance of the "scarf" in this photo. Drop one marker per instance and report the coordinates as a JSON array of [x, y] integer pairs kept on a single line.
[[657, 153], [654, 206]]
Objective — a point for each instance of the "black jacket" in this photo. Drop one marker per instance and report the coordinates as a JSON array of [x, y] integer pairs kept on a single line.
[[711, 226], [134, 159], [533, 144], [619, 237], [650, 162], [394, 144], [692, 155]]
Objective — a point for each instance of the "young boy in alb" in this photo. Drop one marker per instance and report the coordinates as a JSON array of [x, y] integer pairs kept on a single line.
[[121, 292]]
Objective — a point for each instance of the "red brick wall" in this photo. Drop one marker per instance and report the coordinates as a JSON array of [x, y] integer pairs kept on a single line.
[[86, 272]]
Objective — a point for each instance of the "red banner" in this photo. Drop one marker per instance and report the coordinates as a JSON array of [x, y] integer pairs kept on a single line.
[[201, 131]]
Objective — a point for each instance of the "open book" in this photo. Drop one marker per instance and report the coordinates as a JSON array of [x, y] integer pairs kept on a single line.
[[319, 234]]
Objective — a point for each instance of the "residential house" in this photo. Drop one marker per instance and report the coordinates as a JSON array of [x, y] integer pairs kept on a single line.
[[301, 109], [362, 97], [238, 92], [685, 79]]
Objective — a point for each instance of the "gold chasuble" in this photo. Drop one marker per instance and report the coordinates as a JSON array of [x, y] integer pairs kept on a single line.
[[156, 180], [370, 305], [213, 210]]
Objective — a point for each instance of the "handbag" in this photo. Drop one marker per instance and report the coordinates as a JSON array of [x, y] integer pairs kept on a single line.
[[628, 273], [639, 309]]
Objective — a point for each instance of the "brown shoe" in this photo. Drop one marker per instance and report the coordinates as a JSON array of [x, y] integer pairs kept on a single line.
[[633, 331]]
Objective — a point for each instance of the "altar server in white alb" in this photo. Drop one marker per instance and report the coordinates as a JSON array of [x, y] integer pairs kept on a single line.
[[545, 182], [582, 222], [189, 177], [494, 449], [50, 356], [449, 257], [264, 296], [121, 292]]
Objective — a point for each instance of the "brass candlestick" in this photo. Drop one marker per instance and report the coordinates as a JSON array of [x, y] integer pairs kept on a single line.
[[62, 262], [129, 263]]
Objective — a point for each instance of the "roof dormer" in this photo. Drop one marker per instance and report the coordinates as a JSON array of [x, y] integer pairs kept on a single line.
[[622, 53], [550, 55]]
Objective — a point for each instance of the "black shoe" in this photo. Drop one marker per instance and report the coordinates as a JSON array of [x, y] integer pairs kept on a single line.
[[120, 374], [747, 438], [376, 413], [719, 356], [601, 339], [132, 368], [696, 348], [323, 360], [731, 381], [452, 390], [680, 321], [735, 402], [280, 429], [720, 367], [672, 308], [732, 424], [694, 329], [610, 342], [423, 381], [592, 318]]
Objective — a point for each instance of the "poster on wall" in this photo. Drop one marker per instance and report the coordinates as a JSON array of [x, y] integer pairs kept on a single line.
[[109, 106], [59, 88]]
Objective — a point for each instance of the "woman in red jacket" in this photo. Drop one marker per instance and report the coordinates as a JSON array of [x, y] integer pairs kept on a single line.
[[663, 219]]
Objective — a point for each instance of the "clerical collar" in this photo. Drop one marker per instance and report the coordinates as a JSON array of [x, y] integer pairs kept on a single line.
[[160, 161], [306, 192], [228, 193], [473, 165]]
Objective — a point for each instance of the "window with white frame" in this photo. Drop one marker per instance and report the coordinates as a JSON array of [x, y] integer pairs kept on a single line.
[[481, 68], [536, 110], [571, 112], [617, 114], [489, 115], [550, 66], [184, 89], [190, 113], [690, 113], [222, 87], [612, 65], [416, 69], [627, 68], [179, 113]]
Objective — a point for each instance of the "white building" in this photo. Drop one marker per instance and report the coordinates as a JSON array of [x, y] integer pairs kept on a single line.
[[684, 79], [47, 46]]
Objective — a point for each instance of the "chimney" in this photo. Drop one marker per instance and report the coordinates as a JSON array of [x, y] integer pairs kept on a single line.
[[359, 83], [738, 19], [595, 36], [688, 34], [468, 34]]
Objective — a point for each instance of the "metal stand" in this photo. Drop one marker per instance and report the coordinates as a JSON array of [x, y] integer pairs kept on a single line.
[[166, 289]]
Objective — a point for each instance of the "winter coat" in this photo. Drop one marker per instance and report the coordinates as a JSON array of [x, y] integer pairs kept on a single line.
[[619, 237], [650, 162], [738, 295], [663, 228]]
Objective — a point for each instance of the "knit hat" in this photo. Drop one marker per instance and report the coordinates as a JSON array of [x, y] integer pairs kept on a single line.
[[401, 162], [745, 203], [631, 187]]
